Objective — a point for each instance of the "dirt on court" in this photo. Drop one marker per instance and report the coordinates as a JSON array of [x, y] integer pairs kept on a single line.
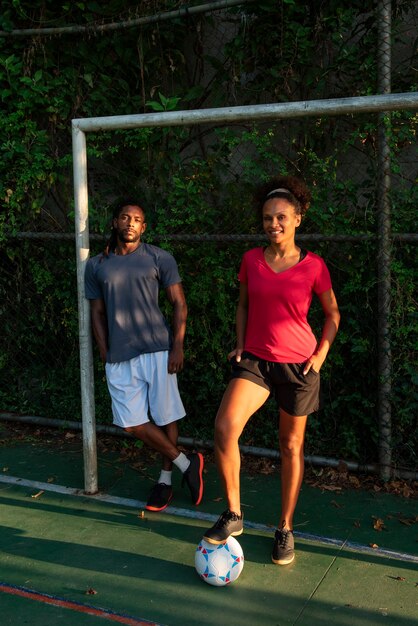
[[139, 458]]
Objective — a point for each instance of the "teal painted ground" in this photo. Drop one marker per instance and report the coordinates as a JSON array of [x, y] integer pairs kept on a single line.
[[143, 566]]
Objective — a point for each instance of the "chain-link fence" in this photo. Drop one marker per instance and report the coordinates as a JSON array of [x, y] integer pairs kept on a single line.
[[196, 181]]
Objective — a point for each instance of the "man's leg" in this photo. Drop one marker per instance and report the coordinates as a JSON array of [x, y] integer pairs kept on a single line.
[[156, 438], [133, 396], [161, 494], [172, 432], [190, 465], [167, 409]]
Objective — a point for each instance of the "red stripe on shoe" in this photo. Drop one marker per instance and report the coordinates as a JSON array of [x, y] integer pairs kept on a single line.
[[201, 465], [149, 507]]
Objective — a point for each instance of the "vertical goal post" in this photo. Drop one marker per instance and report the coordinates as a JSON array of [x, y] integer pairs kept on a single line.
[[267, 112]]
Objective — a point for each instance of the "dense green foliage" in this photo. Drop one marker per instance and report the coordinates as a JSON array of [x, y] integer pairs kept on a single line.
[[198, 180]]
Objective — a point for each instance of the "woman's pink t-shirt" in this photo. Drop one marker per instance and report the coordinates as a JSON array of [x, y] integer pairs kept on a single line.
[[278, 304]]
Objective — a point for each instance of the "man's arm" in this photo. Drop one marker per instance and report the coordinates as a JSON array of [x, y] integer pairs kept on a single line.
[[99, 325], [175, 295]]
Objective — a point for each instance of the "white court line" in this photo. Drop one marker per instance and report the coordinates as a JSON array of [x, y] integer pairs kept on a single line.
[[208, 517]]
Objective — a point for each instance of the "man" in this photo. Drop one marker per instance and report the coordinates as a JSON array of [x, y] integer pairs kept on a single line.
[[142, 357]]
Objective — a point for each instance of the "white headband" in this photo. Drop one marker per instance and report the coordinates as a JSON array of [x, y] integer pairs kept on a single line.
[[277, 190]]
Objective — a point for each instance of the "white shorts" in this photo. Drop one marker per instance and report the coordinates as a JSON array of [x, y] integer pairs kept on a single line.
[[141, 386]]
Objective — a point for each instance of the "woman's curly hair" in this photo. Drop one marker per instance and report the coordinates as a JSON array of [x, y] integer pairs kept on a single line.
[[292, 188]]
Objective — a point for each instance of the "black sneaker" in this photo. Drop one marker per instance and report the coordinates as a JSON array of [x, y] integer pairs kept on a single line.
[[159, 497], [284, 547], [229, 524], [193, 476]]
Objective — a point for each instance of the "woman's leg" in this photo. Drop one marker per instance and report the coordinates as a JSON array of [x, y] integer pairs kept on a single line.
[[241, 399], [291, 439]]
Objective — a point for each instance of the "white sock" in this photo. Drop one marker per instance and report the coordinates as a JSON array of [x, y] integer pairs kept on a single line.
[[165, 477], [182, 462]]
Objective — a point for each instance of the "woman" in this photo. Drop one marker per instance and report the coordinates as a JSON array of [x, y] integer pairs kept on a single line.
[[276, 353]]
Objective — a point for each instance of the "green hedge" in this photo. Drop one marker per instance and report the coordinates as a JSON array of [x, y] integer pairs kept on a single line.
[[198, 180]]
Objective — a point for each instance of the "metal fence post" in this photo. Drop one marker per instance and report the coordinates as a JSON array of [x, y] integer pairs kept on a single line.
[[384, 245], [85, 339]]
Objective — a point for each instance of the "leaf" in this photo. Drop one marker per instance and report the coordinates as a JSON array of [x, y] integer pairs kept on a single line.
[[195, 92], [154, 105], [408, 521], [91, 592], [172, 104], [378, 524], [89, 79], [164, 100]]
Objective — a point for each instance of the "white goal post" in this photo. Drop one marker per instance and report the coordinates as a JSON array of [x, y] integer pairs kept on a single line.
[[273, 112]]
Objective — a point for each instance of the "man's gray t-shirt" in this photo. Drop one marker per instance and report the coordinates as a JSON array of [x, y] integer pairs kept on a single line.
[[129, 285]]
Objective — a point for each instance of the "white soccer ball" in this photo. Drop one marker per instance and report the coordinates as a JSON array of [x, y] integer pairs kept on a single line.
[[219, 565]]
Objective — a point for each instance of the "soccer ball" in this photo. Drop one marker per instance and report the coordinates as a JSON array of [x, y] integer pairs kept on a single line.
[[219, 565]]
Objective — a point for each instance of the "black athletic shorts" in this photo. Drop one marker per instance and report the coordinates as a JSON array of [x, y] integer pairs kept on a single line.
[[294, 393]]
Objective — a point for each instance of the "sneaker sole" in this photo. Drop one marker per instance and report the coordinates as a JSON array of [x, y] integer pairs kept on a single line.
[[155, 509], [283, 561], [216, 542], [201, 465]]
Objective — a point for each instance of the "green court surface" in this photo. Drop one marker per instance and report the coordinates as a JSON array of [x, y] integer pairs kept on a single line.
[[71, 559]]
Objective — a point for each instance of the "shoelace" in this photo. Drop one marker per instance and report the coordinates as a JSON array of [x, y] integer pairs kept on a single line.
[[284, 534], [227, 517]]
